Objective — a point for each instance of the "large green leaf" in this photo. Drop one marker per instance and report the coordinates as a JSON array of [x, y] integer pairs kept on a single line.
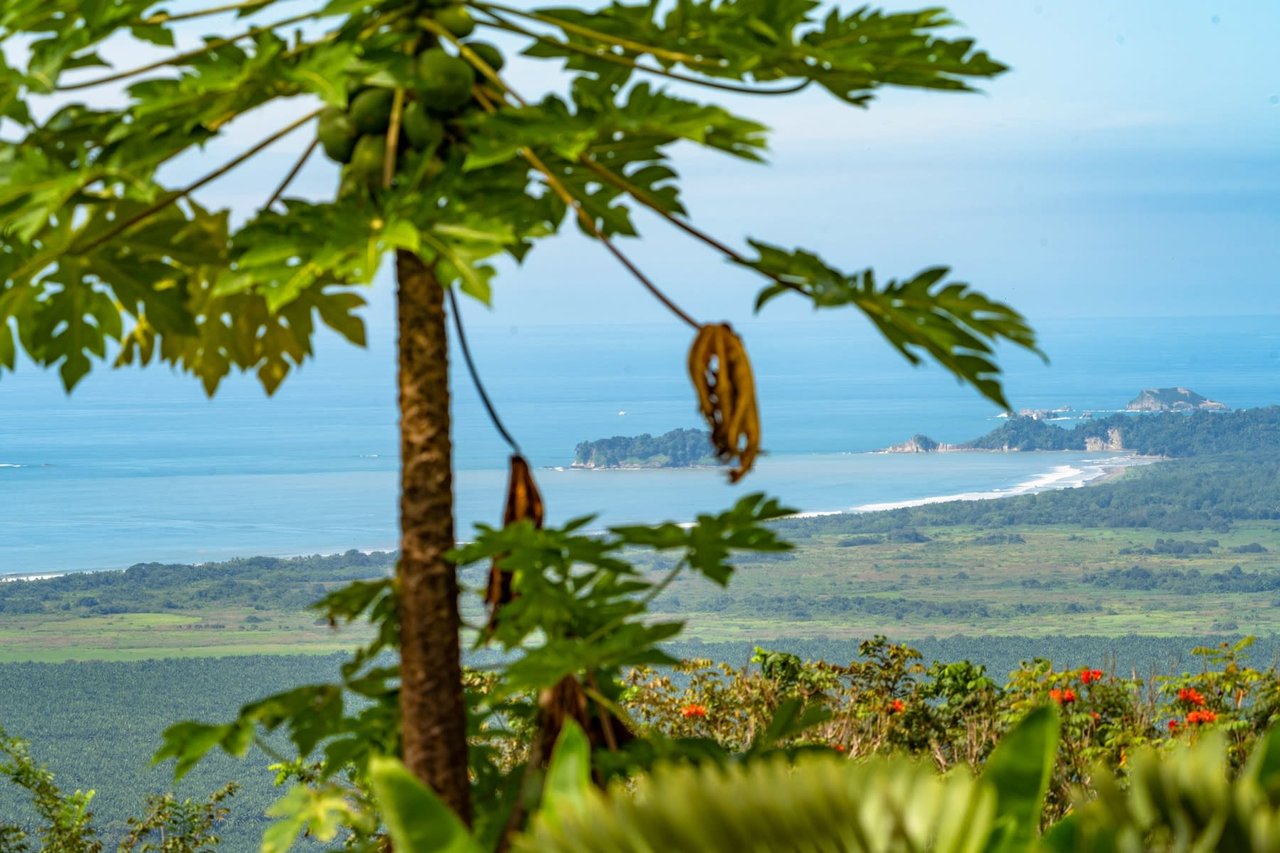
[[568, 779], [953, 324], [417, 820], [1019, 770], [1180, 799], [818, 803]]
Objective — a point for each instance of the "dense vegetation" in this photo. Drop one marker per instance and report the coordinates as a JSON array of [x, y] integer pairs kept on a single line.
[[887, 698], [259, 583], [1207, 493], [1170, 434], [680, 448]]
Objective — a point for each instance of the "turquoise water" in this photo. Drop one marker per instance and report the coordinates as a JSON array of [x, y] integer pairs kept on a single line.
[[140, 466]]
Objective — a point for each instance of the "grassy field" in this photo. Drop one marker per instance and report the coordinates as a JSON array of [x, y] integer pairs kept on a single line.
[[1026, 581], [1031, 581], [142, 636]]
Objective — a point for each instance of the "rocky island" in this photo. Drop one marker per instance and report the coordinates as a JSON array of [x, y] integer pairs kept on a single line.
[[1173, 400], [680, 448]]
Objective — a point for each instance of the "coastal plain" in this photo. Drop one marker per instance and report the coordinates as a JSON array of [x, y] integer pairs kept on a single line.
[[1030, 581]]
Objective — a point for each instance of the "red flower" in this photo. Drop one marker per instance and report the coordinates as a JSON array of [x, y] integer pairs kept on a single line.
[[897, 706], [1096, 716], [1063, 697], [1191, 696], [691, 711], [1173, 725], [1088, 676], [1197, 718]]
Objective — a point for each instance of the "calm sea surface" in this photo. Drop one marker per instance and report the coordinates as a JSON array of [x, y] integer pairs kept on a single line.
[[140, 466]]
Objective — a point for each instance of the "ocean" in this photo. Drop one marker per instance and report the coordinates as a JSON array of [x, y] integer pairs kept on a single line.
[[139, 466]]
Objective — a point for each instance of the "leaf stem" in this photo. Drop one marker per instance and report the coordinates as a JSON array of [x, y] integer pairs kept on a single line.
[[693, 231], [616, 180], [590, 224], [393, 139], [570, 27], [178, 59], [166, 18], [503, 24], [585, 218], [190, 188], [455, 309], [293, 173]]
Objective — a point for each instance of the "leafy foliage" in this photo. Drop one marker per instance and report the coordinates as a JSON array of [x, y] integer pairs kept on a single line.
[[442, 160], [1182, 800], [66, 818], [948, 321], [104, 260], [815, 802], [66, 825]]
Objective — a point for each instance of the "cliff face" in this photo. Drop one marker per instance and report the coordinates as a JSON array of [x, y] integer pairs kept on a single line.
[[1173, 400], [1113, 442]]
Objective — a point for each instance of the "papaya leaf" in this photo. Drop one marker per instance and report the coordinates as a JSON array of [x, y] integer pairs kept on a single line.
[[1019, 771], [924, 315], [568, 778], [416, 818]]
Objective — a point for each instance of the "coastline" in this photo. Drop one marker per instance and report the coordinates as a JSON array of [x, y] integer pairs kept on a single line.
[[1082, 470], [1061, 477]]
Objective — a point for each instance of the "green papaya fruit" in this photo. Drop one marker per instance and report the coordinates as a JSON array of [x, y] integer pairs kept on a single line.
[[490, 54], [443, 82], [370, 111], [337, 135], [369, 157], [422, 131], [456, 19]]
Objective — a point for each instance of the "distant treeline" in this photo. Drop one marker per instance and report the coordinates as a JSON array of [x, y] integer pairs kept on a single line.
[[1191, 494], [680, 448], [258, 582], [1166, 434]]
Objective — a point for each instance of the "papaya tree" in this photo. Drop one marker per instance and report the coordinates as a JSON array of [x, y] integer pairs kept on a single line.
[[443, 164]]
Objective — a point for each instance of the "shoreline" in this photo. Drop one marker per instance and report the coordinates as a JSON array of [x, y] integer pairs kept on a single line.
[[1060, 477]]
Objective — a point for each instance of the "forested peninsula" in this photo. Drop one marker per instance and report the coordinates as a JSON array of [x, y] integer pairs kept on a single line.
[[1169, 434], [680, 448]]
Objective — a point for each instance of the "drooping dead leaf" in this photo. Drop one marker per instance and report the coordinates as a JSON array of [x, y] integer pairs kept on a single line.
[[721, 374], [524, 503]]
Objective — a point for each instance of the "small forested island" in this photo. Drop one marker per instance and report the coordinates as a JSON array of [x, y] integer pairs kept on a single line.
[[1170, 434], [680, 448]]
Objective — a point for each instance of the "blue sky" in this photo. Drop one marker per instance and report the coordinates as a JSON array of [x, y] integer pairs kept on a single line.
[[1128, 165]]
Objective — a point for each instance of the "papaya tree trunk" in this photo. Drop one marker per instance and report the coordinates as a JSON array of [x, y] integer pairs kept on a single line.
[[431, 696]]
